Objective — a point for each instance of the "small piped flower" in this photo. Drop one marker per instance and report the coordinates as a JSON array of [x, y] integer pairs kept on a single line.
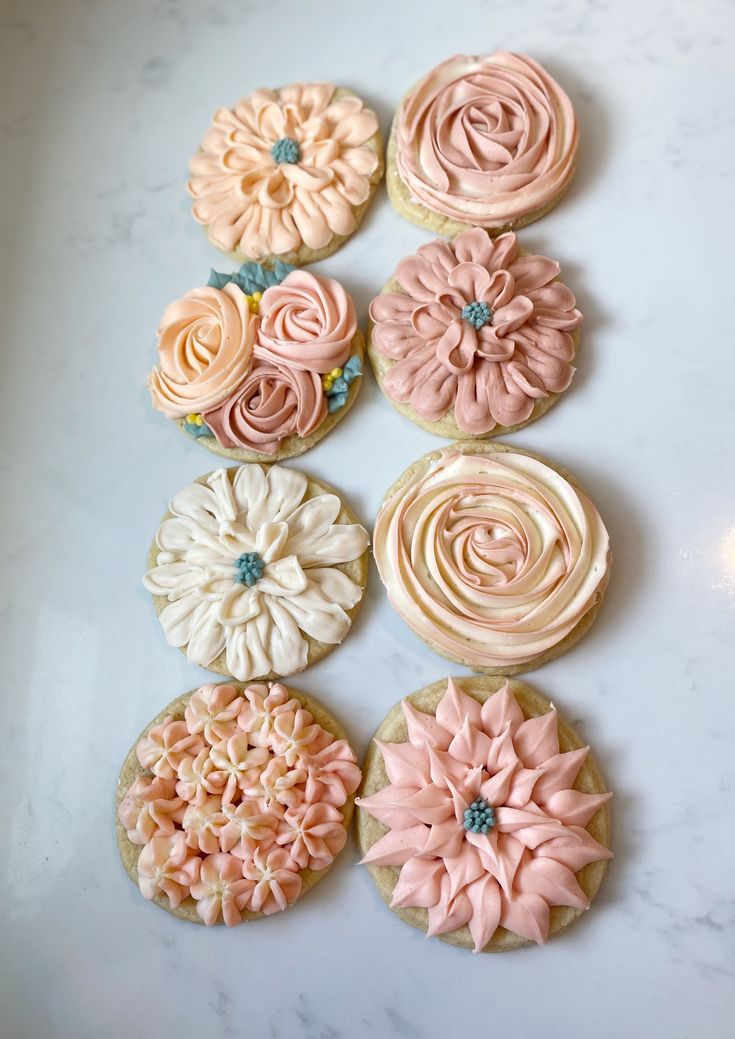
[[336, 383], [249, 568], [479, 817]]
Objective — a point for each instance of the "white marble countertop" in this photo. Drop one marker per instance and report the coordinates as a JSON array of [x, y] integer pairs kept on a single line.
[[103, 102]]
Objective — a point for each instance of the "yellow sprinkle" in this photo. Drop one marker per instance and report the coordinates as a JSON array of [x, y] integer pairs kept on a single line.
[[198, 420], [335, 373], [191, 419], [327, 381], [257, 296]]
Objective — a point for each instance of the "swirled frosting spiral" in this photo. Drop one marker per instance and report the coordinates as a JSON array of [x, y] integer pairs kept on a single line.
[[492, 559], [486, 140]]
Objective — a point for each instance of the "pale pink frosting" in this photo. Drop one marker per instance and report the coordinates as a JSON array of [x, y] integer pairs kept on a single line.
[[273, 401], [511, 875], [205, 343], [150, 809], [244, 792], [486, 140], [251, 203], [493, 559], [307, 321], [489, 375]]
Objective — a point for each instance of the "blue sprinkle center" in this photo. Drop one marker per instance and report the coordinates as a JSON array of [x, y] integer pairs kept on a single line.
[[286, 150], [249, 569], [477, 314], [479, 817]]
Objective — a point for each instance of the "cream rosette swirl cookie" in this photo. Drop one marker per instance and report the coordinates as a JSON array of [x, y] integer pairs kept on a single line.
[[497, 559], [481, 141], [257, 572], [234, 802], [287, 174], [474, 337], [483, 817], [260, 364]]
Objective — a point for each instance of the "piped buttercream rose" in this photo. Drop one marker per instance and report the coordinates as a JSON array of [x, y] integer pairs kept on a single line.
[[486, 140], [273, 401], [205, 345], [307, 322]]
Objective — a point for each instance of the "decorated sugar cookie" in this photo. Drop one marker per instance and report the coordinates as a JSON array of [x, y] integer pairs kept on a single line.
[[483, 818], [256, 571], [287, 174], [259, 364], [481, 141], [234, 802], [474, 337], [495, 558]]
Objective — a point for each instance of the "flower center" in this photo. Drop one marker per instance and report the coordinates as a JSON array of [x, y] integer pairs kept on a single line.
[[286, 150], [479, 817], [477, 314], [249, 569]]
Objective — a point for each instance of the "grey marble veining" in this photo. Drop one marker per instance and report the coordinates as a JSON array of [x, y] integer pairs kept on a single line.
[[101, 104]]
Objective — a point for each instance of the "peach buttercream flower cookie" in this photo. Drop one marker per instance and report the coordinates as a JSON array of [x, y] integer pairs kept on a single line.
[[483, 817], [235, 801], [287, 174], [474, 337], [496, 558], [259, 364], [257, 572], [481, 141]]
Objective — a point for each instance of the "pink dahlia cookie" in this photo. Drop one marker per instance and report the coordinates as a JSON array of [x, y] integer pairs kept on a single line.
[[488, 141], [474, 337], [256, 810], [261, 363], [483, 817], [287, 173]]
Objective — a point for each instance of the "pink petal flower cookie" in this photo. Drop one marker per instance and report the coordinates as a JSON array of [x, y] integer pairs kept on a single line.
[[287, 174], [474, 337], [483, 817], [249, 826], [259, 364], [481, 141]]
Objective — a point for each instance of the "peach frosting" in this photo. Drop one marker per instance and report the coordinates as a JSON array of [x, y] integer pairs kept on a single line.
[[486, 140], [492, 374], [492, 559], [252, 203], [254, 377], [239, 797], [511, 875]]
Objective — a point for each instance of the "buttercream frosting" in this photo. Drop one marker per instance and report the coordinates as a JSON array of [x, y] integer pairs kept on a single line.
[[486, 140], [493, 559], [205, 342], [238, 840], [302, 593], [261, 196], [526, 862], [478, 328], [254, 369]]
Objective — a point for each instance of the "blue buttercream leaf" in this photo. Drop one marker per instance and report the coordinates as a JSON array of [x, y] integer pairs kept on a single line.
[[218, 280], [338, 386], [281, 270], [197, 431], [352, 369], [336, 402]]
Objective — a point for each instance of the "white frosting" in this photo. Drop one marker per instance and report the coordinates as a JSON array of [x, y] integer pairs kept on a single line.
[[301, 592]]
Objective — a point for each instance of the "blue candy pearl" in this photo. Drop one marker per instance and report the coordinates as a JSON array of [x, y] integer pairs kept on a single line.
[[286, 150], [477, 314]]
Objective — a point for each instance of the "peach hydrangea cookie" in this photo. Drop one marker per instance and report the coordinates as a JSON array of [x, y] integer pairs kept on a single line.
[[287, 174], [481, 141], [234, 802], [473, 336], [260, 364], [497, 559], [483, 817], [256, 572]]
